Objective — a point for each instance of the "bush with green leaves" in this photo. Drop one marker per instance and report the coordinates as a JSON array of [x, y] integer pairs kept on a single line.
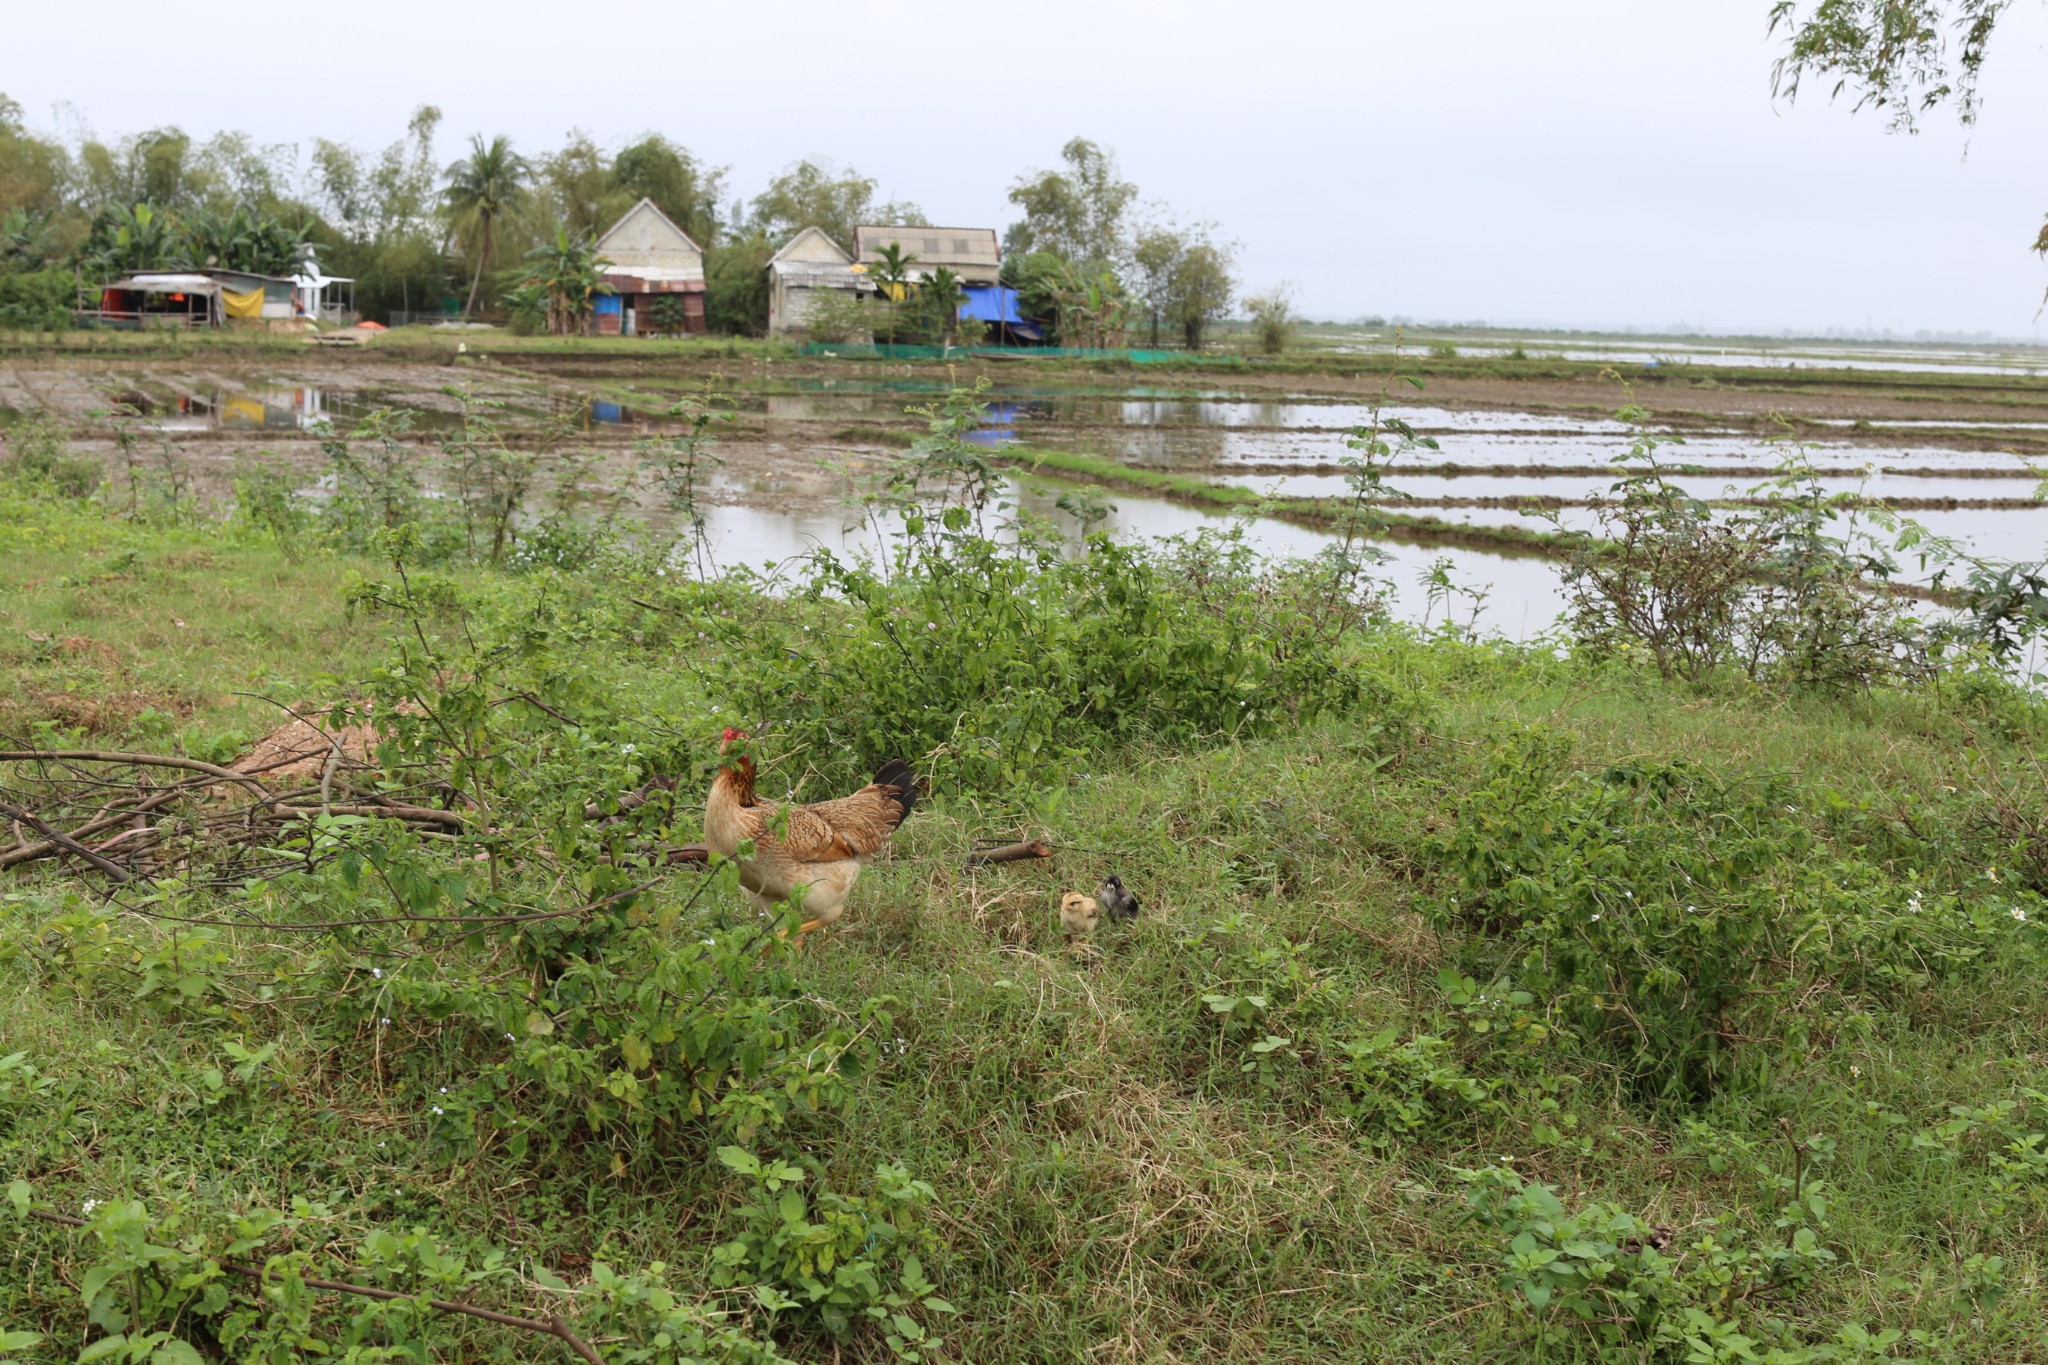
[[37, 457], [838, 1261], [177, 1282], [1600, 1278], [1679, 918], [995, 658]]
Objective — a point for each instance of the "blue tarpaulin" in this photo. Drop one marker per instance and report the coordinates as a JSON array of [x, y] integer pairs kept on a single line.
[[990, 303]]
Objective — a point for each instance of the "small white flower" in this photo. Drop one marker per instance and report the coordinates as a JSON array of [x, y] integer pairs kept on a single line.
[[377, 972], [931, 625], [444, 1089], [1596, 919], [2019, 914], [437, 1108], [627, 748], [510, 1039], [383, 1023], [90, 1205]]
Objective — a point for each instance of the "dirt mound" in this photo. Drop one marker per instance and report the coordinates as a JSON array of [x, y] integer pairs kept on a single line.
[[301, 749]]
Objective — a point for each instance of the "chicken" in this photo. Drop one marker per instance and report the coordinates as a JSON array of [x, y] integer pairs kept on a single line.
[[1079, 914], [823, 846], [1121, 902]]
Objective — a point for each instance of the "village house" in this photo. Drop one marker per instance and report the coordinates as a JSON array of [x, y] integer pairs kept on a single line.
[[648, 259], [971, 253], [809, 268]]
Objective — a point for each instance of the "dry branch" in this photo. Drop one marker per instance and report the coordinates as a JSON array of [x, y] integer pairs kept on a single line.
[[138, 760], [64, 841], [1010, 853]]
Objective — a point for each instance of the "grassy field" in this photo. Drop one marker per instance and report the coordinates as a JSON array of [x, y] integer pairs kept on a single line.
[[1484, 1004]]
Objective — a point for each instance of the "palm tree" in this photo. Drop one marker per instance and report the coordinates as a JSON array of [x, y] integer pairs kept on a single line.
[[483, 186], [945, 296], [892, 273]]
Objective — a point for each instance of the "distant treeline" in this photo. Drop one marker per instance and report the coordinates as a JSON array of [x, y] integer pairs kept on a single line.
[[422, 234]]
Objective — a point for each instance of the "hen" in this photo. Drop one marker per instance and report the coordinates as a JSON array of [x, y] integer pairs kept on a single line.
[[819, 847]]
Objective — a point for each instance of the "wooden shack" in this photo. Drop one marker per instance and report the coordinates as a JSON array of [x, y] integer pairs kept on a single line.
[[810, 267], [649, 258]]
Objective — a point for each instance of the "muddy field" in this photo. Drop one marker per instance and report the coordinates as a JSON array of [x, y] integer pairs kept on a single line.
[[799, 441]]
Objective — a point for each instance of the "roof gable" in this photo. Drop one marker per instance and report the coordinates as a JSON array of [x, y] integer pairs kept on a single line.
[[811, 247], [644, 235]]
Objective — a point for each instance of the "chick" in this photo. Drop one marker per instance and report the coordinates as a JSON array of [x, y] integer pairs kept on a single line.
[[1079, 914], [1121, 902]]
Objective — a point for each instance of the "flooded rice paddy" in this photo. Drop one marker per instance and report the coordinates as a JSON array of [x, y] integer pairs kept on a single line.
[[798, 440]]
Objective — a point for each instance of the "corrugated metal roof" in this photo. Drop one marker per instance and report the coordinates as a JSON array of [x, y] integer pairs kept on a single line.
[[974, 252], [166, 282]]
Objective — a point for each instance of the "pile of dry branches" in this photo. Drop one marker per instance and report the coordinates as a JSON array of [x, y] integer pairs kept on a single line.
[[127, 816]]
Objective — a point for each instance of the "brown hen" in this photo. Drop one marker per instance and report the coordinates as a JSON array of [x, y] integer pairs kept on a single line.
[[820, 848]]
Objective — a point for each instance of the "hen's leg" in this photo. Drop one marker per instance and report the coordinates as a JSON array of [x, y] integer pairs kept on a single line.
[[825, 898]]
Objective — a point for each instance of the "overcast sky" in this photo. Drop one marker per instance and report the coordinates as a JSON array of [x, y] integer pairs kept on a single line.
[[1554, 162]]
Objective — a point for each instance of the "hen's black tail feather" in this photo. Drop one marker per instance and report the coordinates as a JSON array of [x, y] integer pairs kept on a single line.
[[901, 785]]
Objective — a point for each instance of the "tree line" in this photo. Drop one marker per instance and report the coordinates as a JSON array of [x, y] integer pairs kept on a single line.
[[503, 231]]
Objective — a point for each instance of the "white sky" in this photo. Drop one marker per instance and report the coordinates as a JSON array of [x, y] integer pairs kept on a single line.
[[1555, 162]]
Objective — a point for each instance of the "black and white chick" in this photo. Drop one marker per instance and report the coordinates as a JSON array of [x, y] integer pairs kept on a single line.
[[1118, 900]]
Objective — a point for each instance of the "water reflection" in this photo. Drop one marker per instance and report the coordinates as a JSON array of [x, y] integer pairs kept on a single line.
[[1518, 598]]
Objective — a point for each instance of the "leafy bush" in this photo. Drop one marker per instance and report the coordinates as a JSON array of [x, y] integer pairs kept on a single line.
[[838, 1260], [1399, 1090], [37, 456], [1797, 590], [37, 300], [1627, 1290], [1671, 914], [998, 661], [1273, 319]]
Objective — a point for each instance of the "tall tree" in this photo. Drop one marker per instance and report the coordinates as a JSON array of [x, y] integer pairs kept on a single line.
[[681, 186], [1080, 214], [1900, 57], [381, 217], [485, 186], [578, 180], [818, 194], [1184, 280], [32, 169]]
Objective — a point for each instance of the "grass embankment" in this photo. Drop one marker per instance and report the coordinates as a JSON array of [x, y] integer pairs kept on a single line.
[[1795, 1096], [1322, 513]]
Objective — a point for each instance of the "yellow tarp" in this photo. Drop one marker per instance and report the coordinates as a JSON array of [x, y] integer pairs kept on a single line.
[[249, 305], [242, 411]]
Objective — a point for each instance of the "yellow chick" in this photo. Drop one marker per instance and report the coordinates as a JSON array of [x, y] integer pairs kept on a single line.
[[1079, 914]]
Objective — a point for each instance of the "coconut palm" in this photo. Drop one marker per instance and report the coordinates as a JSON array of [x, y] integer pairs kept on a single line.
[[892, 274], [944, 295], [483, 187]]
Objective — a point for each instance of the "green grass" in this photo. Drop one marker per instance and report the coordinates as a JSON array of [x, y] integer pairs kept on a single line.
[[1111, 1183]]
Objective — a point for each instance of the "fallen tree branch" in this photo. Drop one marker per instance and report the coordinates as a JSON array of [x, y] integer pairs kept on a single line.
[[555, 1326], [461, 921], [1010, 853], [139, 760], [66, 842]]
